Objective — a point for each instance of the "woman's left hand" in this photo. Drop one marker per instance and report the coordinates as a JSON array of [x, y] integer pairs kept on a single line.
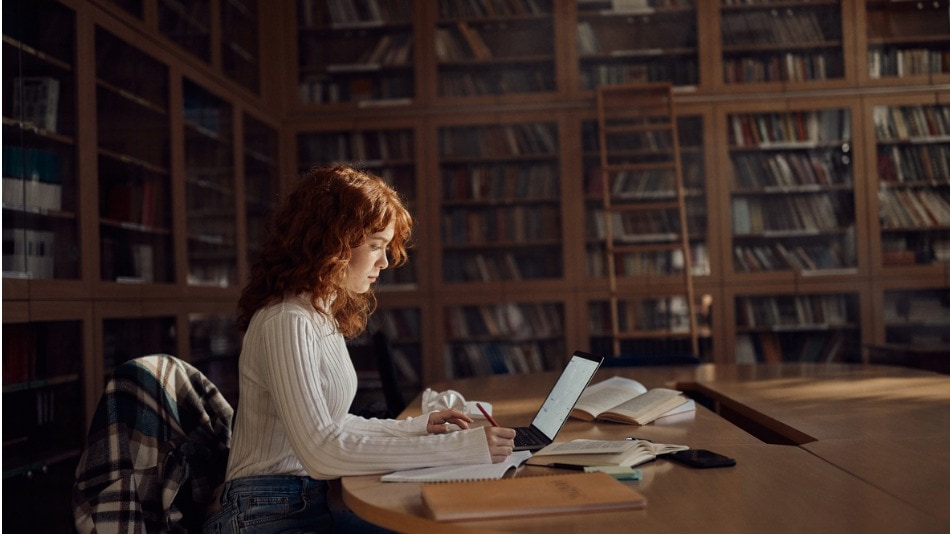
[[439, 421]]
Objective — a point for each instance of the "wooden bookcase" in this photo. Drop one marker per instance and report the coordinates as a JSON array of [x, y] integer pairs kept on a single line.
[[137, 166]]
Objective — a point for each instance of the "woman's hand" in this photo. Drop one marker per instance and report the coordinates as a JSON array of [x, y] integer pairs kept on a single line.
[[439, 421], [501, 442]]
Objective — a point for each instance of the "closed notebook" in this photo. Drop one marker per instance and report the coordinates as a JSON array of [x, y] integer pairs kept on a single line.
[[528, 497]]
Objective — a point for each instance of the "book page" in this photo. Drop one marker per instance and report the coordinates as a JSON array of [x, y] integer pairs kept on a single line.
[[646, 407], [604, 395]]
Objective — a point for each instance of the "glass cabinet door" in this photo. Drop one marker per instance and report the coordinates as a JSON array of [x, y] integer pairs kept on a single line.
[[209, 189], [40, 210]]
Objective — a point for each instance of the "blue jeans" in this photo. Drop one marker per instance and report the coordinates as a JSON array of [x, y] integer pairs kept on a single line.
[[281, 504]]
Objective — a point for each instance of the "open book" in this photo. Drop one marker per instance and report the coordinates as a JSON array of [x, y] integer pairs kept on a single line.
[[586, 452], [624, 400]]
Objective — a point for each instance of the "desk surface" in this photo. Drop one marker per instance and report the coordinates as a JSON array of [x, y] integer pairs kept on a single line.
[[844, 477]]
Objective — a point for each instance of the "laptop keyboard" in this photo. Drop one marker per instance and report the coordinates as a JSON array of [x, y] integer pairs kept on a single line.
[[523, 438]]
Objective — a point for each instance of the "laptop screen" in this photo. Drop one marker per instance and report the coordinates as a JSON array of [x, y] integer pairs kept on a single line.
[[568, 388]]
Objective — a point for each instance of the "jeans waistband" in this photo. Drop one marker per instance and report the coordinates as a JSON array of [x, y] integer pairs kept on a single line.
[[263, 484]]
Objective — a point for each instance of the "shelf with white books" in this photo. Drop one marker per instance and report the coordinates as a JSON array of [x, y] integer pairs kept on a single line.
[[906, 42]]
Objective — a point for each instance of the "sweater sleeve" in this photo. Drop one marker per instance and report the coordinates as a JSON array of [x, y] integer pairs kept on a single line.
[[327, 441]]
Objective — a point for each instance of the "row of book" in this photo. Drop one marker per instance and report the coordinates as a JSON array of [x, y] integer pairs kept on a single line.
[[522, 264], [831, 126], [497, 80], [917, 307], [391, 49], [785, 27], [894, 123], [480, 359], [635, 226], [460, 42], [649, 68], [458, 9], [649, 263], [395, 88], [774, 347], [784, 67], [498, 140], [515, 224], [142, 203], [358, 146], [783, 170], [902, 62], [354, 12], [32, 178], [791, 214], [40, 352], [508, 320], [834, 254], [794, 311], [29, 253], [914, 164], [127, 262], [913, 208], [500, 181], [36, 102], [401, 325], [652, 314]]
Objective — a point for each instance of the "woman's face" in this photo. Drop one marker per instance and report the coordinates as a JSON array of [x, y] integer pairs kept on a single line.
[[368, 260]]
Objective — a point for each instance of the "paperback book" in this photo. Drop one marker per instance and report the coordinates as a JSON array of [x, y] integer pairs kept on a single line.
[[624, 400], [586, 452]]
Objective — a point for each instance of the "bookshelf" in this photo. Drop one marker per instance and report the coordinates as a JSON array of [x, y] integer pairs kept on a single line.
[[906, 42], [805, 326], [793, 193], [784, 43], [261, 181], [240, 42], [500, 202], [356, 53], [210, 188], [40, 207], [133, 132], [621, 42], [494, 49], [187, 24], [98, 159]]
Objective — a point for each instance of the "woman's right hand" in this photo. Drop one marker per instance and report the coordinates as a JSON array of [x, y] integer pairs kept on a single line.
[[501, 442]]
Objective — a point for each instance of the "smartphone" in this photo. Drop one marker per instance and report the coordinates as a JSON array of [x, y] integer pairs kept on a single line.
[[701, 458]]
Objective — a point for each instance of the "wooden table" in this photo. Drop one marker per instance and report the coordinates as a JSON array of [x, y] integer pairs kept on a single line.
[[868, 453]]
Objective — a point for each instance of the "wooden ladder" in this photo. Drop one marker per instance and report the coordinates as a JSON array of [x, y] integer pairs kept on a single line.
[[643, 187]]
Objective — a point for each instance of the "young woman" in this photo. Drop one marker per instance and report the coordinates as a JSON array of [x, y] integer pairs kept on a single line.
[[309, 291]]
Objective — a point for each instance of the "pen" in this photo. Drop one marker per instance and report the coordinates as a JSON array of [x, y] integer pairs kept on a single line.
[[486, 414]]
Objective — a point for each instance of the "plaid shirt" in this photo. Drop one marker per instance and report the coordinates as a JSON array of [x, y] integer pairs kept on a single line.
[[156, 450]]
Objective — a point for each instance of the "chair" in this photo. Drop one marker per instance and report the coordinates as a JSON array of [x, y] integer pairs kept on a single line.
[[376, 353], [156, 450]]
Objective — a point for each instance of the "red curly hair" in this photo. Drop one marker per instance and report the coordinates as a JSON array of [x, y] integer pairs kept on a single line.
[[309, 243]]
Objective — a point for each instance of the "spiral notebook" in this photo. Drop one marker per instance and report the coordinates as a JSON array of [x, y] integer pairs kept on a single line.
[[460, 473]]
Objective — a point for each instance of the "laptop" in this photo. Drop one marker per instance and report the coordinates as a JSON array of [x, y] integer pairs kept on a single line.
[[559, 403]]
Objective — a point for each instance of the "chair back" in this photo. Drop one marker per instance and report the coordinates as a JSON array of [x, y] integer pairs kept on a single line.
[[156, 450]]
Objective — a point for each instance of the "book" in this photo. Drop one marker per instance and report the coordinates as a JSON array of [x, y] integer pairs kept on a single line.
[[460, 473], [528, 497], [624, 400], [589, 452]]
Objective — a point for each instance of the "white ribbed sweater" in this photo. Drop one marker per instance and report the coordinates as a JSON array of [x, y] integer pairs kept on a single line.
[[297, 383]]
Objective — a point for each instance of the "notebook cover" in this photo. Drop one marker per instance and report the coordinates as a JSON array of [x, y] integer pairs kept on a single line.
[[528, 496]]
